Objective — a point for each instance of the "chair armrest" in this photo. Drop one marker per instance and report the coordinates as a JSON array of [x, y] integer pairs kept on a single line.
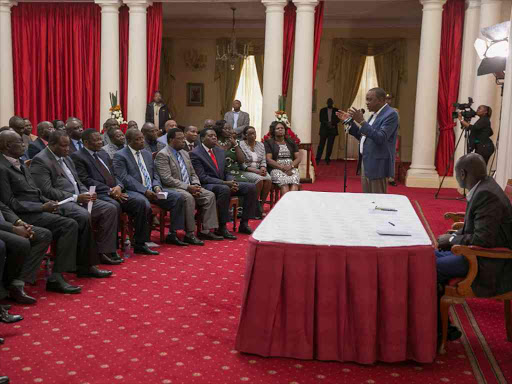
[[471, 253], [455, 216], [458, 225]]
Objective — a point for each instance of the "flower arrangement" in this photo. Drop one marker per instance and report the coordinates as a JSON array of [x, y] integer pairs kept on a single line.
[[282, 117], [115, 109]]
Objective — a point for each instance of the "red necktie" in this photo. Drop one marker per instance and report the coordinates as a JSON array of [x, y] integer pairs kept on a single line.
[[214, 159]]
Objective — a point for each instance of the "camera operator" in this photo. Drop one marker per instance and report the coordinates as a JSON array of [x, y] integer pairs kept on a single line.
[[480, 132]]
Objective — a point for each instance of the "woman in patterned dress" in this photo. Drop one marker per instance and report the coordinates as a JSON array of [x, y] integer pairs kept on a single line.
[[226, 140], [283, 158]]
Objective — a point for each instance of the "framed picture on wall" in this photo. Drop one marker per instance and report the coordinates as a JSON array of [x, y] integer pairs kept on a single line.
[[195, 94]]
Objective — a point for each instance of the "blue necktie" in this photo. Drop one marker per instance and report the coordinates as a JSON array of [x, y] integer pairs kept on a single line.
[[80, 145], [147, 179], [183, 168]]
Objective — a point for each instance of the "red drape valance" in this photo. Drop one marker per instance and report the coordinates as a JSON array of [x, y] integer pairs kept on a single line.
[[56, 61], [449, 77]]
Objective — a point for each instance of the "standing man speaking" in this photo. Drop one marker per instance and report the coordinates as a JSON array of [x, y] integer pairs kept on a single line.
[[377, 140]]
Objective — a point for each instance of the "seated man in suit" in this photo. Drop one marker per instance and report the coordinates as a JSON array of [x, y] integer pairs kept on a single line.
[[26, 246], [237, 118], [74, 129], [191, 138], [176, 173], [55, 174], [117, 142], [488, 224], [44, 129], [95, 167], [20, 193], [134, 167], [209, 163], [58, 125], [109, 125], [169, 124], [150, 133]]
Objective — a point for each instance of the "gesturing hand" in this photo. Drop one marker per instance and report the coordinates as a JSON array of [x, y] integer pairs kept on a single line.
[[357, 115], [342, 115]]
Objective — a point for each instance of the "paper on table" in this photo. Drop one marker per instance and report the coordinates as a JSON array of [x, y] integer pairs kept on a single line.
[[92, 189], [66, 200], [162, 195]]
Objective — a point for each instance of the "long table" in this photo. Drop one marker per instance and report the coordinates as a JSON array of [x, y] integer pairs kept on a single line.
[[321, 283]]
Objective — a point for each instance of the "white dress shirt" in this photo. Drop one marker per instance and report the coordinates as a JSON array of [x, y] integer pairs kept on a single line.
[[235, 119], [363, 138], [134, 153]]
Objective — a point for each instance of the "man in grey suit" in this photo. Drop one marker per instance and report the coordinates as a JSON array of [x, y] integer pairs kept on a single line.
[[55, 174], [19, 192], [177, 173], [237, 118]]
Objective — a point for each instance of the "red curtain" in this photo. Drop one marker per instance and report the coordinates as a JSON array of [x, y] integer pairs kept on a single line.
[[319, 23], [449, 77], [56, 61], [288, 40], [124, 25], [154, 43]]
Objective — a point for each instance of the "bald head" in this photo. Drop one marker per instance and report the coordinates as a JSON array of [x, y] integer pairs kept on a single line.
[[470, 169], [11, 144], [44, 128], [150, 132]]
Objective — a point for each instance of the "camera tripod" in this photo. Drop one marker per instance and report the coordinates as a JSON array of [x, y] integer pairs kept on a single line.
[[464, 133]]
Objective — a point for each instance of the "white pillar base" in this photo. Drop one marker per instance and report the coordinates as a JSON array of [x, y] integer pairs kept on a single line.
[[422, 179]]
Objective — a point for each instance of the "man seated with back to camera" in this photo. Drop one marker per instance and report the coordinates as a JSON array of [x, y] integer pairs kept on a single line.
[[488, 224], [209, 162]]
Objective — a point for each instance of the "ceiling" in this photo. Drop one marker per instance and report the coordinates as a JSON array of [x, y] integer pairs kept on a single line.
[[337, 13]]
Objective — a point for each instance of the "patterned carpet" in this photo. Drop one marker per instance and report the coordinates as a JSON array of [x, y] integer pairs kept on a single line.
[[172, 318]]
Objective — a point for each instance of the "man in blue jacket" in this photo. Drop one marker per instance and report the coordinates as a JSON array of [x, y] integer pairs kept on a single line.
[[377, 140]]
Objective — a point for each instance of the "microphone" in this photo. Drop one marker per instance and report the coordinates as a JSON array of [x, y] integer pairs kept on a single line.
[[348, 120]]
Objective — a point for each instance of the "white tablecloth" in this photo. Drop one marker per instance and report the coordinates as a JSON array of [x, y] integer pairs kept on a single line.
[[342, 219]]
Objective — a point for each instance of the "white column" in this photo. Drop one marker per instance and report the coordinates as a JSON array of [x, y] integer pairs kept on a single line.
[[302, 99], [6, 74], [273, 61], [109, 55], [504, 165], [137, 61], [423, 172], [469, 59]]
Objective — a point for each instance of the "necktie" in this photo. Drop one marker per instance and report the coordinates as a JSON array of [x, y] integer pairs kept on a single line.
[[190, 147], [183, 168], [146, 179], [69, 175], [212, 155], [80, 145], [109, 180]]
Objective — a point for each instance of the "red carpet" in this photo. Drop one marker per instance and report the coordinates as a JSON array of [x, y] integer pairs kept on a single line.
[[172, 319]]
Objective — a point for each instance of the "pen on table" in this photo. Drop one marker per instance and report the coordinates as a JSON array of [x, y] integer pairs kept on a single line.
[[391, 223]]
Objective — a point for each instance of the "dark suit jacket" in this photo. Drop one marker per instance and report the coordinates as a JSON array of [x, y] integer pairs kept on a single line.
[[480, 132], [72, 148], [272, 147], [88, 171], [196, 143], [326, 128], [127, 170], [380, 144], [488, 223], [35, 147], [8, 219], [159, 146], [19, 191], [51, 178], [205, 167], [163, 115]]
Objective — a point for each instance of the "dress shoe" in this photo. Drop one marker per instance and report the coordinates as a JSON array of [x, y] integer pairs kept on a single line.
[[4, 380], [5, 306], [225, 234], [6, 317], [17, 294], [192, 240], [244, 228], [209, 236], [173, 239], [453, 333], [144, 250], [107, 259], [64, 287], [2, 340], [393, 183], [116, 256], [94, 271]]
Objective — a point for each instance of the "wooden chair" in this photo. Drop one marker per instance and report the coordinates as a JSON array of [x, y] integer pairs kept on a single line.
[[459, 289], [234, 203], [125, 228]]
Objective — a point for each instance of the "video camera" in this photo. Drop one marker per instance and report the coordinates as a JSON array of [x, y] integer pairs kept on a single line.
[[465, 109]]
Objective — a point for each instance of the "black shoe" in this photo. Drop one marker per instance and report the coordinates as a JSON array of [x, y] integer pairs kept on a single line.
[[2, 340], [17, 294], [65, 287], [393, 183], [318, 161], [453, 333], [144, 250], [225, 234], [173, 239], [6, 317], [95, 272], [4, 380], [116, 256], [209, 236], [244, 228], [192, 240], [107, 259]]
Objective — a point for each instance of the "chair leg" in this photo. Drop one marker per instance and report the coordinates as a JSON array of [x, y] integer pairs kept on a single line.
[[235, 217], [123, 234], [162, 225], [508, 320], [444, 307]]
